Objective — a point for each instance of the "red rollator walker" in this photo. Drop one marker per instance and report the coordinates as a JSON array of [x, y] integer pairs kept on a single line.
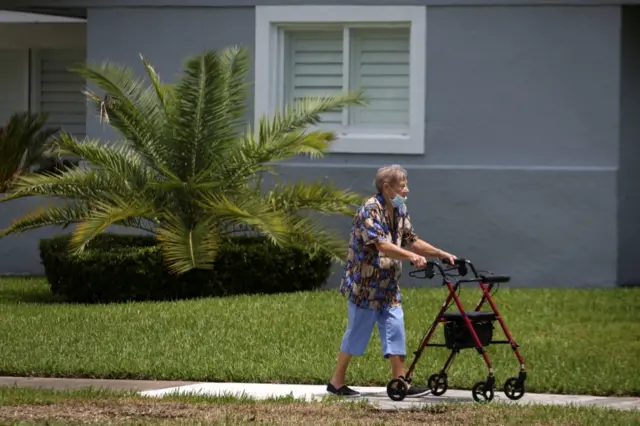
[[464, 330]]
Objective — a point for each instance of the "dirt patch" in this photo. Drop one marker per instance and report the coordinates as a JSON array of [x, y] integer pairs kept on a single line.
[[138, 412], [143, 412]]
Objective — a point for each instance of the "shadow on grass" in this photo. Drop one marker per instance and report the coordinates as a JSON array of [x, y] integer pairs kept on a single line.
[[38, 297], [26, 292], [36, 290]]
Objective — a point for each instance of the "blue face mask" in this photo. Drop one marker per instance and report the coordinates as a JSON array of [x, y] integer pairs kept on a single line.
[[398, 200]]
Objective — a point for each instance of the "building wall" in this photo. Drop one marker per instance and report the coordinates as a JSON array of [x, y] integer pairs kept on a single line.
[[49, 5], [519, 139], [19, 253], [19, 45], [14, 82], [519, 173], [629, 173]]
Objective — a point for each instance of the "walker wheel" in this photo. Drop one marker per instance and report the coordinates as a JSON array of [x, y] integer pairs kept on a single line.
[[480, 392], [513, 388], [437, 384], [397, 389]]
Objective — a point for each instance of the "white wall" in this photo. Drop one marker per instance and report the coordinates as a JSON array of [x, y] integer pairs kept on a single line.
[[14, 82], [17, 41]]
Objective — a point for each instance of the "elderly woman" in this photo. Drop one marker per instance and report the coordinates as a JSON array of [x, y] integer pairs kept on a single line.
[[381, 238]]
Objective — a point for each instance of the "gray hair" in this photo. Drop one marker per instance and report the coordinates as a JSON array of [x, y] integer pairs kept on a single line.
[[389, 174]]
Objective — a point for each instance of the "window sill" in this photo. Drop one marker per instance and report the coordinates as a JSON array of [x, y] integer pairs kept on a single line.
[[362, 143]]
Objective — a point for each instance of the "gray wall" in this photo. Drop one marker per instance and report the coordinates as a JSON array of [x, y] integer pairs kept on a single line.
[[519, 139], [629, 172], [19, 253], [62, 4], [170, 37], [519, 173]]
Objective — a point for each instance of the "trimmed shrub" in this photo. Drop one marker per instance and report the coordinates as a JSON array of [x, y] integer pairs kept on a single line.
[[118, 268]]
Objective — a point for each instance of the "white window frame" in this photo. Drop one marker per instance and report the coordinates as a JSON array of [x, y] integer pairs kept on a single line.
[[269, 66]]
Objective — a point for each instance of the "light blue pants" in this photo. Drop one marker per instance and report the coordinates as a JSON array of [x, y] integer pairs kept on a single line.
[[360, 326]]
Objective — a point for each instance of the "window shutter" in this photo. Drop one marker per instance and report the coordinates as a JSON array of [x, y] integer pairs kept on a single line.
[[314, 67], [61, 90], [379, 64]]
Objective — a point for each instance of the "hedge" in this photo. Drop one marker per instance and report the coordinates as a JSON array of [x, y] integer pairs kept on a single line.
[[119, 268]]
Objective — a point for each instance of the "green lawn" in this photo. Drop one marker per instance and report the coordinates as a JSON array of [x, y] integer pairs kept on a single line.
[[47, 407], [573, 341]]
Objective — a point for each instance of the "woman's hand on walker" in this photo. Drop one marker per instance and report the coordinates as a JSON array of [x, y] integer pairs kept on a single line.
[[444, 255], [418, 261]]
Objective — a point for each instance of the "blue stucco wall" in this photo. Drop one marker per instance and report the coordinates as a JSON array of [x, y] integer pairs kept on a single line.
[[522, 148]]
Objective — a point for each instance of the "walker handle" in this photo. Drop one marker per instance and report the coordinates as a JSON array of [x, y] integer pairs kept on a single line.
[[428, 272], [457, 261], [461, 264]]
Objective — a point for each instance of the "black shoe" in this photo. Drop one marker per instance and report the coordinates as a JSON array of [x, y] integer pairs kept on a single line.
[[343, 391], [417, 391]]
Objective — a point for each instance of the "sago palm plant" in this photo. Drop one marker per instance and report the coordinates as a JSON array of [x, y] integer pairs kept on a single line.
[[23, 143], [185, 169]]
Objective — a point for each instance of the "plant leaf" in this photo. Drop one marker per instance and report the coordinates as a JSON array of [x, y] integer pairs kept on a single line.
[[318, 196], [105, 213], [184, 247], [251, 211], [64, 215], [128, 105]]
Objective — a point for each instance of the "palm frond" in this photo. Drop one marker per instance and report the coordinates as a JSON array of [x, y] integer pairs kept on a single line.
[[118, 170], [162, 91], [240, 164], [191, 185], [281, 228], [202, 125], [246, 209], [318, 196], [64, 216], [23, 142], [289, 133], [127, 105], [235, 64], [104, 213], [117, 158], [303, 114], [307, 143], [185, 248], [312, 237], [73, 183], [39, 146]]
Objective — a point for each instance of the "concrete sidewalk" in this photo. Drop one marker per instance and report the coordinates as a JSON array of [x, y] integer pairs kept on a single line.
[[68, 384], [374, 395]]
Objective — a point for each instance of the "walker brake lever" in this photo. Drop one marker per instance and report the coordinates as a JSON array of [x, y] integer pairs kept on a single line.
[[428, 271]]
